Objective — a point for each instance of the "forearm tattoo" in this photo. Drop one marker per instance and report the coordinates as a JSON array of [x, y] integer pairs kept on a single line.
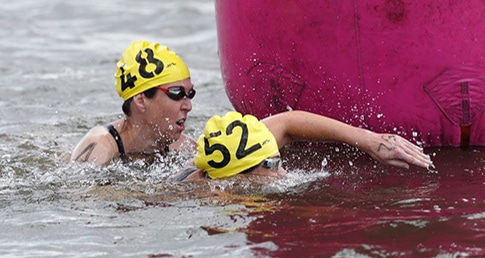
[[86, 153], [387, 144]]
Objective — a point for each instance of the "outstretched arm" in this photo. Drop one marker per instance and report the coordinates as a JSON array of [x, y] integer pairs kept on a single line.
[[387, 148]]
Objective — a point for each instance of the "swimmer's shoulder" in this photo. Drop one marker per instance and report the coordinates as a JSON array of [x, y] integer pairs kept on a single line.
[[98, 147]]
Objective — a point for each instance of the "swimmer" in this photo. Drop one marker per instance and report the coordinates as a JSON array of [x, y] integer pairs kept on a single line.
[[236, 144], [155, 85]]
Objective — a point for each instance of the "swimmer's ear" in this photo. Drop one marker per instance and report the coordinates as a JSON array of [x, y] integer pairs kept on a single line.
[[139, 102]]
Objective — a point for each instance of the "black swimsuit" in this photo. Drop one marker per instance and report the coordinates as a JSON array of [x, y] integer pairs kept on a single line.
[[117, 137], [121, 150]]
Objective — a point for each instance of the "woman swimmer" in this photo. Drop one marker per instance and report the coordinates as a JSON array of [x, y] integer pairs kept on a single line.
[[155, 85], [236, 144]]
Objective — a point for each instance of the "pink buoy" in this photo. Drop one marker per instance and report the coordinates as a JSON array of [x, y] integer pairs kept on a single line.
[[412, 67]]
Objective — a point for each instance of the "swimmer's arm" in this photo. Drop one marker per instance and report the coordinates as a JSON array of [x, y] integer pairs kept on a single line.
[[292, 126], [96, 147], [387, 148], [189, 173]]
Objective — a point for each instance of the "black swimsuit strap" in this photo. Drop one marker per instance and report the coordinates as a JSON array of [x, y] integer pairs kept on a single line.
[[184, 174], [117, 137]]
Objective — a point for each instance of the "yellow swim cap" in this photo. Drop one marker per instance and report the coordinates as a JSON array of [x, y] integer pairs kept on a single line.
[[145, 65], [232, 144]]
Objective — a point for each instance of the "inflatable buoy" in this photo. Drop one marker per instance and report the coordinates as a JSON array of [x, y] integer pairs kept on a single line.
[[414, 67]]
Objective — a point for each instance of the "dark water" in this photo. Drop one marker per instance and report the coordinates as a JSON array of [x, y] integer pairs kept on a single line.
[[56, 81], [364, 209]]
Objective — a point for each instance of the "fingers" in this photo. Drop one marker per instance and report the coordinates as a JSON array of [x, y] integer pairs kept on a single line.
[[397, 151], [420, 161], [404, 153], [414, 155], [398, 163], [405, 161]]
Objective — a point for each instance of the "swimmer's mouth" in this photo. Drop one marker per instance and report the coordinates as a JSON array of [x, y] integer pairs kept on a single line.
[[180, 122]]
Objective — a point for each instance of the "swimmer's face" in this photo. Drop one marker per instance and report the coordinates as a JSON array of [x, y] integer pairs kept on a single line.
[[168, 112]]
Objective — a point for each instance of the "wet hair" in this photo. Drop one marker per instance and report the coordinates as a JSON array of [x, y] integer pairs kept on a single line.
[[126, 107]]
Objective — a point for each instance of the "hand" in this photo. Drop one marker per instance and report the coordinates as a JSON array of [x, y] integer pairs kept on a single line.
[[394, 150]]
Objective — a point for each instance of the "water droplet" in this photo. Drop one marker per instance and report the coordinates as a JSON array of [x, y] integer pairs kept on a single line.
[[324, 162]]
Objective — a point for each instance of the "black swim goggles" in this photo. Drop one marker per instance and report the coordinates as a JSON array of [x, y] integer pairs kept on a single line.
[[272, 163], [177, 92]]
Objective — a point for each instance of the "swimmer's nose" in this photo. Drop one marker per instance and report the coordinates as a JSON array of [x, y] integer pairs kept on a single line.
[[187, 104]]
